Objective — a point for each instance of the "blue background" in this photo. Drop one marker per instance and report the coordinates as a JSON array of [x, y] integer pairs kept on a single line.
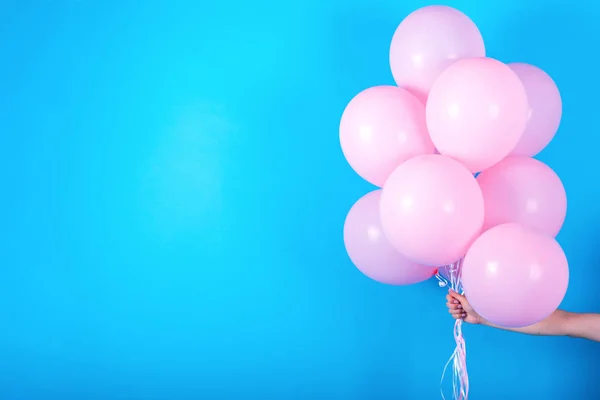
[[173, 195]]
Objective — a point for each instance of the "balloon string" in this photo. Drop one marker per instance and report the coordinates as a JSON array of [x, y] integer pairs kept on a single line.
[[458, 359]]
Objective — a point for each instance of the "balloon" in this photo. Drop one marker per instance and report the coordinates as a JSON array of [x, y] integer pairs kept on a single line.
[[545, 109], [427, 42], [380, 128], [371, 252], [477, 112], [525, 191], [514, 276], [431, 209]]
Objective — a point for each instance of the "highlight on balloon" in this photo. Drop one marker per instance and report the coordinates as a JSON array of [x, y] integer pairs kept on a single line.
[[454, 113]]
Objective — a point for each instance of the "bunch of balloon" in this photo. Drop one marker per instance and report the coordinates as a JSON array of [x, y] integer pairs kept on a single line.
[[455, 113]]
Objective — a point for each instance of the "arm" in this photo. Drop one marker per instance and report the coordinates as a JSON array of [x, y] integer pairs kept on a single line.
[[560, 323]]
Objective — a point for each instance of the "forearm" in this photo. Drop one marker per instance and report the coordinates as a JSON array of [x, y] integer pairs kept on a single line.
[[562, 323], [551, 326]]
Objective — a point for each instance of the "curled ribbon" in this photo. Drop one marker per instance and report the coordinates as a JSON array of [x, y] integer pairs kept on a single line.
[[458, 359]]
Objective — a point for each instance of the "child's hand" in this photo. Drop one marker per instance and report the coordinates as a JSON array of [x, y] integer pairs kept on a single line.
[[459, 308]]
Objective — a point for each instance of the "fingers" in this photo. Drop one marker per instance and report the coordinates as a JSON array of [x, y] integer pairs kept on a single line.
[[455, 308], [459, 297], [451, 299], [457, 313]]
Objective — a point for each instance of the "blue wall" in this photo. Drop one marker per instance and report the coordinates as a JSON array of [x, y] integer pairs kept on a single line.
[[173, 194]]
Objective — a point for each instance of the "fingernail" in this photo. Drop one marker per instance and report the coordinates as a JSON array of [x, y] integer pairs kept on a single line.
[[464, 315], [459, 306], [455, 301]]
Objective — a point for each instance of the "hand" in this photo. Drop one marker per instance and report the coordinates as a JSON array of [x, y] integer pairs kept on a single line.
[[459, 308]]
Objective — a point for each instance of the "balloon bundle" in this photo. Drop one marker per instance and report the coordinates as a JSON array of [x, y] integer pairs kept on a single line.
[[456, 113]]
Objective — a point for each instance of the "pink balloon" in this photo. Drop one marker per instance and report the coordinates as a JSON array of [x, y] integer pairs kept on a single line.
[[380, 128], [427, 42], [545, 109], [514, 276], [525, 191], [372, 253], [432, 209], [477, 112]]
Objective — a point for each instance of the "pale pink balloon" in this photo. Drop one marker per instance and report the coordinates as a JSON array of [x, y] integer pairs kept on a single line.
[[545, 109], [525, 191], [476, 112], [427, 41], [372, 253], [514, 276], [432, 209], [380, 128]]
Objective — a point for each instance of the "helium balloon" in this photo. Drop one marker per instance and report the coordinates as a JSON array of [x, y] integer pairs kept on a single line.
[[372, 253], [380, 128], [525, 191], [476, 112], [545, 109], [514, 276], [432, 209], [427, 42]]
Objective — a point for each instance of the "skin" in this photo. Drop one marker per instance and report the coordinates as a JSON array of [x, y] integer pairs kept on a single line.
[[560, 323]]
